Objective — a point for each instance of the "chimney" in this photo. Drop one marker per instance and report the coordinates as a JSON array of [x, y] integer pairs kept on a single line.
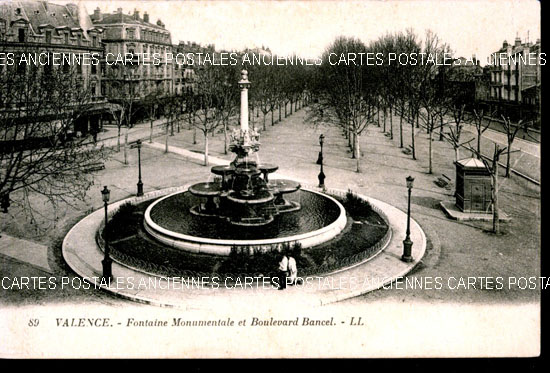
[[145, 17], [136, 14], [97, 14], [505, 44], [517, 42], [119, 10]]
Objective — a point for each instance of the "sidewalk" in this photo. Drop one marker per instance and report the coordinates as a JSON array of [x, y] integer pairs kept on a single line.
[[84, 257]]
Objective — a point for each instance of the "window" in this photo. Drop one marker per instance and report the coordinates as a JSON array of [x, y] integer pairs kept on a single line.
[[66, 38], [94, 41], [21, 35], [48, 36], [130, 33], [94, 69]]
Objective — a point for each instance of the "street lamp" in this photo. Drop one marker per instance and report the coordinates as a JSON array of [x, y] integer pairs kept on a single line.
[[320, 157], [139, 183], [107, 261], [407, 243], [321, 176]]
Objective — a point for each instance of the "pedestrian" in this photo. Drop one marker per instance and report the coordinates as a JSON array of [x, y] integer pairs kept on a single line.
[[293, 271], [283, 271]]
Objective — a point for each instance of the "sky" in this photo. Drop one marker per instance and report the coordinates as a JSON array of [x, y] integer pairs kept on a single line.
[[307, 27]]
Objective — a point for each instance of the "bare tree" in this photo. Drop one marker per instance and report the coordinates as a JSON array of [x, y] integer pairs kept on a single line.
[[39, 156], [481, 125], [344, 95], [208, 119], [152, 102], [511, 132], [491, 165], [125, 91]]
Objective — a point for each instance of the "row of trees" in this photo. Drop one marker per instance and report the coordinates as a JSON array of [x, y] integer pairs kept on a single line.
[[424, 96], [39, 108], [351, 96]]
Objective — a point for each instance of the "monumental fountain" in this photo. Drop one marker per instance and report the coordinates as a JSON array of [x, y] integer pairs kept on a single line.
[[244, 206], [245, 195]]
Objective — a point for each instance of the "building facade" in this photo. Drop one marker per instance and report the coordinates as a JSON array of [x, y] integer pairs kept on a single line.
[[40, 28], [136, 54], [514, 86], [186, 64]]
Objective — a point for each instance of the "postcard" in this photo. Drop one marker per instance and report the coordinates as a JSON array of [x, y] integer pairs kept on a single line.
[[270, 179]]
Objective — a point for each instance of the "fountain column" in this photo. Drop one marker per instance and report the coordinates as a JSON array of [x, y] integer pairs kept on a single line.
[[244, 84]]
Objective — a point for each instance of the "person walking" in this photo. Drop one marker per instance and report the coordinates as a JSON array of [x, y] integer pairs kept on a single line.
[[293, 271], [283, 271]]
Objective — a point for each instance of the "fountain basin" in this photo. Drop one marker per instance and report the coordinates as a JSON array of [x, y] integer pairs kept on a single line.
[[174, 237]]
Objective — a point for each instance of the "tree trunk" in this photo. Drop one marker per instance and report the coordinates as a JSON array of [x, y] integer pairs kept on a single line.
[[496, 217], [224, 137], [272, 119], [126, 145], [151, 132], [194, 135], [457, 153], [279, 112], [206, 148], [508, 160], [357, 151], [430, 168], [391, 123], [350, 141], [412, 137], [478, 144], [166, 139], [401, 128], [385, 112], [441, 129], [118, 139]]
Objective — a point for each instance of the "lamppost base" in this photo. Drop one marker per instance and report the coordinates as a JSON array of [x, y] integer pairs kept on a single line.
[[321, 178], [139, 189], [407, 251], [107, 269], [407, 259]]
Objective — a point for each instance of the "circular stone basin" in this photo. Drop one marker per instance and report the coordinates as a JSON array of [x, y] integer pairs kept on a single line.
[[252, 199], [169, 221], [268, 167], [283, 186], [222, 170], [208, 189]]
